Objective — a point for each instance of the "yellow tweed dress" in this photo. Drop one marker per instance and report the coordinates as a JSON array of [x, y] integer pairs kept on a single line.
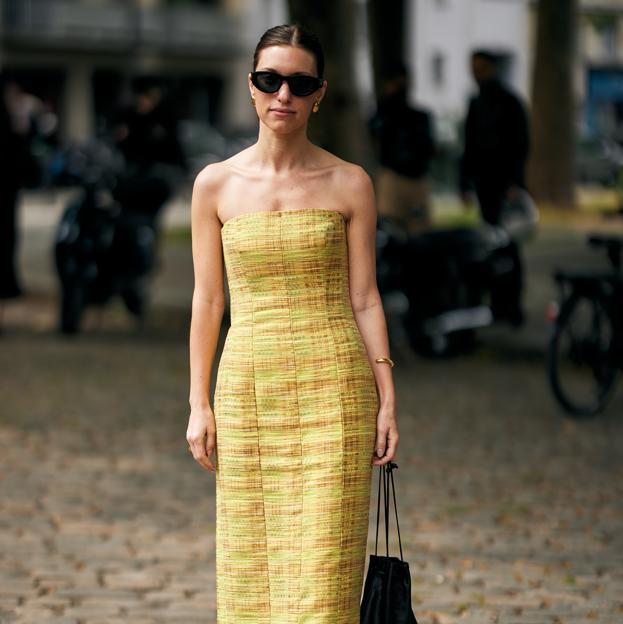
[[295, 405]]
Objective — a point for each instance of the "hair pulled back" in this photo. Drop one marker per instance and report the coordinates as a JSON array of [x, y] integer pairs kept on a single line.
[[291, 35]]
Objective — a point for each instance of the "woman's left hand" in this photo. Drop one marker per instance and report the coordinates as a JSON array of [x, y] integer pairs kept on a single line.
[[386, 436]]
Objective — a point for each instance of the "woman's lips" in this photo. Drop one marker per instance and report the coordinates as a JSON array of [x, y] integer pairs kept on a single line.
[[282, 112]]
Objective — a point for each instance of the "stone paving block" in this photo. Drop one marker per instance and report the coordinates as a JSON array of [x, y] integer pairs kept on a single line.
[[97, 565], [35, 611], [87, 612], [155, 612], [51, 620], [15, 587], [138, 580], [8, 602], [84, 546], [126, 619], [49, 601], [92, 593], [164, 596]]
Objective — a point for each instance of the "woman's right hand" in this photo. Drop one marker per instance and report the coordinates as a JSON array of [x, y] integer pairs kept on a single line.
[[201, 436]]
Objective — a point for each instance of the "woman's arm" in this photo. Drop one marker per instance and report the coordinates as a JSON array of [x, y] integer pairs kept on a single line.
[[207, 313], [367, 306]]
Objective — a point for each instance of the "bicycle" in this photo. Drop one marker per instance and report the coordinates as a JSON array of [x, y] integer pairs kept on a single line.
[[585, 352]]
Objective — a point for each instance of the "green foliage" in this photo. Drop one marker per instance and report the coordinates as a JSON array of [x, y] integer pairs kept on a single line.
[[602, 21]]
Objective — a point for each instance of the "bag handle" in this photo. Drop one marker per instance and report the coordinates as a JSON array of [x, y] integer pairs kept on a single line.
[[386, 478]]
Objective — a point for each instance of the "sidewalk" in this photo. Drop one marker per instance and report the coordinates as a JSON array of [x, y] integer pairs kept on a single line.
[[509, 513]]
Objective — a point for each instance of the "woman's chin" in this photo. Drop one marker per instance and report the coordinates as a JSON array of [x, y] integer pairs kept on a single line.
[[284, 126]]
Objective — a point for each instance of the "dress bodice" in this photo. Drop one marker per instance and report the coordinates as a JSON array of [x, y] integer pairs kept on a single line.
[[294, 260]]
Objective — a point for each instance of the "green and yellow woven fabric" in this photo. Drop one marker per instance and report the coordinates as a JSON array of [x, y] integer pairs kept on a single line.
[[295, 405]]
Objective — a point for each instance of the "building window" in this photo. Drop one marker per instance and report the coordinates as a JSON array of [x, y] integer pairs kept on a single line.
[[605, 26], [609, 41], [438, 70]]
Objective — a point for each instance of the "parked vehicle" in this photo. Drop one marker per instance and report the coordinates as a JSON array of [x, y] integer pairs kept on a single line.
[[104, 247], [585, 354], [444, 278]]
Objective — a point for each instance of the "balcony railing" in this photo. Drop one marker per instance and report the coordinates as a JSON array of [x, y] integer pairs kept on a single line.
[[119, 25]]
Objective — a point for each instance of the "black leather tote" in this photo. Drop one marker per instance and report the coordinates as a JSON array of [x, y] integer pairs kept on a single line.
[[387, 589]]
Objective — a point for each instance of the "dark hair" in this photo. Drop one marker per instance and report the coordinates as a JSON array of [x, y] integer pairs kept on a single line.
[[486, 55], [291, 35], [145, 83], [393, 69]]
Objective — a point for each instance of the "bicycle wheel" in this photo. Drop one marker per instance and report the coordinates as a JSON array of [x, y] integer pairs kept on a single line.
[[581, 361]]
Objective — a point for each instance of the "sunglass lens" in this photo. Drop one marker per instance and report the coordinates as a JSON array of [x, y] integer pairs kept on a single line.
[[303, 85], [267, 82]]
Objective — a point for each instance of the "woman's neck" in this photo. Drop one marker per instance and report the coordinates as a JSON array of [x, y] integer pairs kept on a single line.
[[282, 153]]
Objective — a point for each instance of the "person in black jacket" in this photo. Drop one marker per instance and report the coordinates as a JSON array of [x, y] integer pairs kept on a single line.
[[404, 141], [146, 132], [14, 154], [493, 164]]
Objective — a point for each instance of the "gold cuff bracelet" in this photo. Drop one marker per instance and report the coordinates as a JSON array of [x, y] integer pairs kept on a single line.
[[385, 360]]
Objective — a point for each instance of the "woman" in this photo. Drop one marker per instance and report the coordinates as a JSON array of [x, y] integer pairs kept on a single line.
[[304, 398]]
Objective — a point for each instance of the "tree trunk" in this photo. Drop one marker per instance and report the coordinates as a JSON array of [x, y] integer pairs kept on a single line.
[[338, 126], [551, 170], [387, 37]]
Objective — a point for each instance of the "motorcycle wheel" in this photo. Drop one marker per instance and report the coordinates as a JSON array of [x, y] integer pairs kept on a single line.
[[581, 361]]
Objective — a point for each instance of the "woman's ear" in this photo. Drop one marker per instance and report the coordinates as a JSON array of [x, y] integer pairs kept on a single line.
[[323, 90]]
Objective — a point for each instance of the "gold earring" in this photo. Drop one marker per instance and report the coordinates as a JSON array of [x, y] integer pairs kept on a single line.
[[253, 100], [316, 106]]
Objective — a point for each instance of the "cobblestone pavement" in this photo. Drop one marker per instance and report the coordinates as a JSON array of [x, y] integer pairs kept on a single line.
[[509, 513]]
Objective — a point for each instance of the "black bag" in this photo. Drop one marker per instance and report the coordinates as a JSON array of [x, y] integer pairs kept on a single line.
[[387, 589]]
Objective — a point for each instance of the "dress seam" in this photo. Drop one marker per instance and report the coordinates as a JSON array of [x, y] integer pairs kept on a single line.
[[343, 458], [259, 457], [298, 408]]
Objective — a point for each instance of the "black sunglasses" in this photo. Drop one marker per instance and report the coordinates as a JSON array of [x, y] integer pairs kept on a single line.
[[299, 85]]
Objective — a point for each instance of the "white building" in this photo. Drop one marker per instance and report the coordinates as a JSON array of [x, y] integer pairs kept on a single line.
[[441, 35], [80, 54]]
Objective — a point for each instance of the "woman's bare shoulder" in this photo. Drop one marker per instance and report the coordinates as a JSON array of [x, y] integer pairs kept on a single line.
[[351, 182], [352, 187], [210, 178], [215, 175], [347, 175]]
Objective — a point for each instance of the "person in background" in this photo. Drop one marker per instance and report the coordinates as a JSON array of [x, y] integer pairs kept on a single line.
[[146, 133], [493, 165], [404, 143], [14, 159]]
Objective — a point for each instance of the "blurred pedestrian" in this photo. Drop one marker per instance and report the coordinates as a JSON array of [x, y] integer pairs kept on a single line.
[[493, 165], [404, 143], [14, 157], [27, 113], [146, 132]]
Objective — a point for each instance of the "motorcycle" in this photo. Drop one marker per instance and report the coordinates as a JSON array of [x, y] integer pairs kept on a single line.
[[440, 281], [105, 247]]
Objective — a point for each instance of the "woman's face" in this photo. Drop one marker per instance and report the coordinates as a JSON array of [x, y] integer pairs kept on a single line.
[[281, 111]]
